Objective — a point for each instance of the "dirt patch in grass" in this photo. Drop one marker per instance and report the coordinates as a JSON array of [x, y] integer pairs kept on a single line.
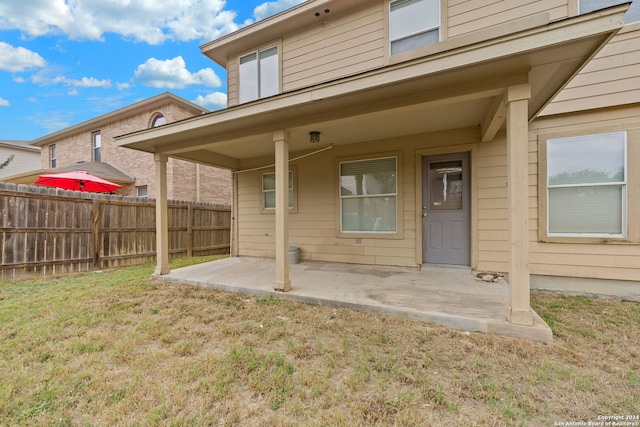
[[118, 348]]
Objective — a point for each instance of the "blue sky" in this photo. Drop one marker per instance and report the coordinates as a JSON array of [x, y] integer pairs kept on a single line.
[[66, 61]]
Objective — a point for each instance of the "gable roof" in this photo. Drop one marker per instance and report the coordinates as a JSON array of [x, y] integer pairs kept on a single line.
[[148, 103], [19, 145]]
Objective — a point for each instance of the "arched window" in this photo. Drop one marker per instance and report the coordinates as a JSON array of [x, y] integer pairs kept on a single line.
[[158, 120]]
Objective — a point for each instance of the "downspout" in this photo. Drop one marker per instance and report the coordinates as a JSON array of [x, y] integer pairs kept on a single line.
[[197, 182]]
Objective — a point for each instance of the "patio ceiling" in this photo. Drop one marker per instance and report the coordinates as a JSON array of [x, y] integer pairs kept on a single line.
[[455, 87]]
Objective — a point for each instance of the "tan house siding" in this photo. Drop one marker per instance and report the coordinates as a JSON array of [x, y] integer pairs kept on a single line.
[[23, 160], [493, 232], [347, 45], [611, 78], [466, 16], [314, 227], [341, 46], [616, 259]]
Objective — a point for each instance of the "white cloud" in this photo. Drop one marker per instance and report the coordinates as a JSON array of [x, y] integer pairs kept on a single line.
[[4, 102], [41, 78], [140, 20], [147, 21], [213, 101], [19, 80], [123, 86], [73, 92], [16, 59], [272, 7], [173, 74]]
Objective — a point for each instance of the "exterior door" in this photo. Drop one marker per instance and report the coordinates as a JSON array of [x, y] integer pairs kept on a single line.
[[446, 214]]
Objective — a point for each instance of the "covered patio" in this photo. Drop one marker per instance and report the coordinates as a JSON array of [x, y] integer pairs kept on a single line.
[[445, 296], [475, 93]]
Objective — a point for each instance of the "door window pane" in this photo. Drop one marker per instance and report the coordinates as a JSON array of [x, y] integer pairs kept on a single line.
[[445, 181]]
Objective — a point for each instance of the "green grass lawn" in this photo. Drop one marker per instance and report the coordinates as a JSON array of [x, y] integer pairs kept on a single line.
[[120, 348]]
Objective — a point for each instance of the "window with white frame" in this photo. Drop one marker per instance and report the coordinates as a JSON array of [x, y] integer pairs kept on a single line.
[[269, 190], [142, 191], [587, 185], [413, 23], [259, 75], [368, 196], [52, 156], [632, 15], [96, 139]]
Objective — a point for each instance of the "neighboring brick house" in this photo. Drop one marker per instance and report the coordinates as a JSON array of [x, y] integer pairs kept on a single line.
[[91, 146], [25, 157]]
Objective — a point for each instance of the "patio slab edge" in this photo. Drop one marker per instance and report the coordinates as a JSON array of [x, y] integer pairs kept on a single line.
[[539, 332]]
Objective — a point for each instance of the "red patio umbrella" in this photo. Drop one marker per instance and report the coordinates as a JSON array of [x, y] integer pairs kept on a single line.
[[78, 180]]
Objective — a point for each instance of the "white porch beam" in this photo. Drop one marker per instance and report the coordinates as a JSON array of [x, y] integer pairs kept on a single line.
[[281, 141], [517, 102], [162, 212], [494, 120]]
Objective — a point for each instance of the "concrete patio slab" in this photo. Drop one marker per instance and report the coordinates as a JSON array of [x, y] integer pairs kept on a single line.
[[446, 296]]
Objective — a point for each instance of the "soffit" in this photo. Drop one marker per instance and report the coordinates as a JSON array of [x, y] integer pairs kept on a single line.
[[452, 89]]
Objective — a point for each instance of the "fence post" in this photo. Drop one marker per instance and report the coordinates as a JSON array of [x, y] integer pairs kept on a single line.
[[189, 231], [95, 216]]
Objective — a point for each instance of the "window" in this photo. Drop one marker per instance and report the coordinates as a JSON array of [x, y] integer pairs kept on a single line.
[[97, 146], [141, 191], [368, 196], [632, 15], [52, 156], [259, 74], [587, 186], [269, 190], [158, 120], [413, 23]]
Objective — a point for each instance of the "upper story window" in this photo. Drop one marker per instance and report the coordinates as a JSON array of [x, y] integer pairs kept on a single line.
[[96, 140], [158, 120], [632, 15], [413, 23], [587, 186], [52, 156], [259, 74]]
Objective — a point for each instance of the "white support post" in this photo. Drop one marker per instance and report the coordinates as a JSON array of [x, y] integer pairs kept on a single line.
[[281, 140], [517, 101], [162, 212]]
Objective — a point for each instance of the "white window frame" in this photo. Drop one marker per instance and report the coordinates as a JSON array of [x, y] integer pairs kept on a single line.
[[395, 195], [292, 192], [96, 146], [622, 184], [252, 81], [52, 156], [142, 189], [394, 39]]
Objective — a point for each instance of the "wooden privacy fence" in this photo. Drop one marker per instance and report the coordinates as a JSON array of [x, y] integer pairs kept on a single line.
[[47, 230]]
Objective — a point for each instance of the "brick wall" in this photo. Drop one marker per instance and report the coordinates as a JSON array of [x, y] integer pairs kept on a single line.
[[215, 184]]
